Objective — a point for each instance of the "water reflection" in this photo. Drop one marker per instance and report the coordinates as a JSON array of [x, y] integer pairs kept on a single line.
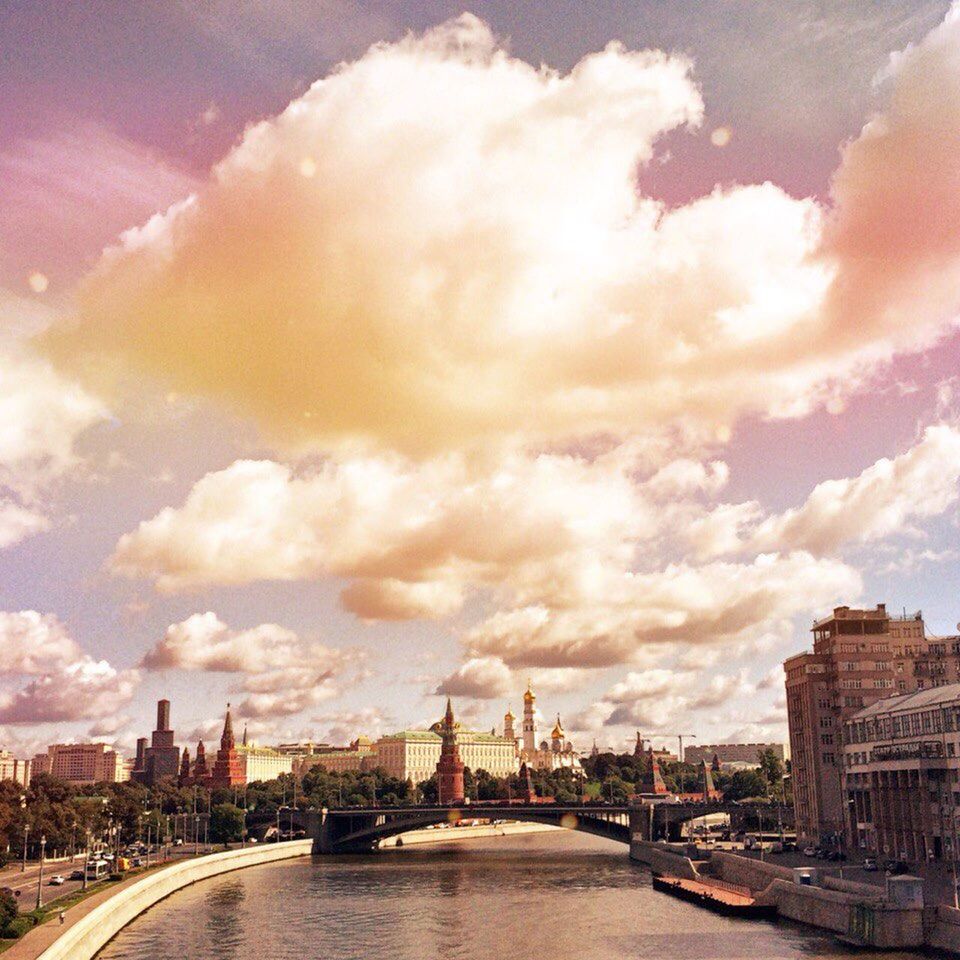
[[559, 895]]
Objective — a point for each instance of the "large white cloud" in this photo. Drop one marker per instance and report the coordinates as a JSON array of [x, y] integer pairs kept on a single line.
[[888, 497], [42, 415], [439, 245], [411, 535], [439, 262], [67, 684], [282, 673]]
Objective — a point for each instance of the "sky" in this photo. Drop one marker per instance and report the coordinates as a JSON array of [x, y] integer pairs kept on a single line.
[[353, 355]]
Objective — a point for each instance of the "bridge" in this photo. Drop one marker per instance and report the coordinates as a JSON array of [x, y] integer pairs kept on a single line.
[[359, 829]]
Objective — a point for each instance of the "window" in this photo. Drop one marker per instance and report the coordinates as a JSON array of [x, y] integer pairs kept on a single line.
[[826, 739]]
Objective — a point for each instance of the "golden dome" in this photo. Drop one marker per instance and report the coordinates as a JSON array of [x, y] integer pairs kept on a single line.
[[529, 696], [558, 733], [509, 715]]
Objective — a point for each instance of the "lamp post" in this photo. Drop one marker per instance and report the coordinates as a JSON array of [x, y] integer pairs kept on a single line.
[[26, 833], [86, 862], [43, 848]]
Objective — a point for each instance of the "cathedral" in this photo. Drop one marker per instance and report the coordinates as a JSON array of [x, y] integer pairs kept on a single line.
[[553, 754]]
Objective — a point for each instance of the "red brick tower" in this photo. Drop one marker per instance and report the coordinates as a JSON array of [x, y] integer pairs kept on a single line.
[[450, 768], [527, 791], [227, 769], [200, 772], [652, 780]]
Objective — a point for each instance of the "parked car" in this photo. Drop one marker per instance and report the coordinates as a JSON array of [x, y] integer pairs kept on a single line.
[[57, 880], [869, 864], [896, 867], [76, 875], [809, 851]]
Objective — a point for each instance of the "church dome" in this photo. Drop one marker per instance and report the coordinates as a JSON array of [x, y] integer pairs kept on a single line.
[[558, 733], [529, 696]]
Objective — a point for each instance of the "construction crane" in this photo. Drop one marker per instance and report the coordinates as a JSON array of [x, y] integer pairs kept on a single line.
[[680, 736]]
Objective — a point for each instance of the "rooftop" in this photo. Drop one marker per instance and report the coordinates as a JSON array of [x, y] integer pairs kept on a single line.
[[911, 701]]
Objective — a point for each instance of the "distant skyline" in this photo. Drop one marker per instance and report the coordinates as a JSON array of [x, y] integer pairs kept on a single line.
[[353, 355]]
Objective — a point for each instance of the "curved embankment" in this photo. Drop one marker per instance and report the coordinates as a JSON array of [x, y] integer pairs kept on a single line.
[[82, 939]]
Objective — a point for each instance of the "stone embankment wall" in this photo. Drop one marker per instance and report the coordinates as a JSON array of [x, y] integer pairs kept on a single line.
[[855, 911], [745, 871], [663, 858], [944, 933], [82, 940]]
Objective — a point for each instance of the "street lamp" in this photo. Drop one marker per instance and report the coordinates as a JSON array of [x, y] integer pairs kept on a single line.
[[26, 833], [43, 848], [86, 862]]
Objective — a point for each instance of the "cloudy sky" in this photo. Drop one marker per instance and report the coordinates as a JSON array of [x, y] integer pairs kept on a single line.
[[356, 353]]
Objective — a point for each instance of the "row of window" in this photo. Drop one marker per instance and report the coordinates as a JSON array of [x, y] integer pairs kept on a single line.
[[937, 720]]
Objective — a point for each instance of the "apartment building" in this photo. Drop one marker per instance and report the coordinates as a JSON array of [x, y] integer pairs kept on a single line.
[[859, 656], [13, 769], [80, 763], [902, 775]]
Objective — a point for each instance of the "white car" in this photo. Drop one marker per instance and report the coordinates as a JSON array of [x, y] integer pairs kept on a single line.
[[810, 852], [57, 881]]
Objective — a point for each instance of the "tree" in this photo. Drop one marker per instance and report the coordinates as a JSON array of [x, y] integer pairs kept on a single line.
[[744, 784], [226, 823], [8, 908], [771, 766]]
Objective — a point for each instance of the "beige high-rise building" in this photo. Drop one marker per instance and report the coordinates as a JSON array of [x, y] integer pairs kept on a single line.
[[80, 763], [858, 657], [13, 769]]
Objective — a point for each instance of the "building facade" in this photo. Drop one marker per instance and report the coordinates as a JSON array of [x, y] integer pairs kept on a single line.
[[858, 658], [358, 756], [413, 754], [13, 769], [902, 775], [553, 754], [263, 763], [80, 763], [162, 757], [731, 752]]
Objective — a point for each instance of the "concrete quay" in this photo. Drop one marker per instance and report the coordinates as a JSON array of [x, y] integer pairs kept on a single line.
[[91, 924], [890, 917]]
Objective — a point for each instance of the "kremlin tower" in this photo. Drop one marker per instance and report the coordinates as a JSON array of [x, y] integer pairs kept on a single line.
[[450, 768], [185, 778], [652, 781], [227, 769], [200, 771]]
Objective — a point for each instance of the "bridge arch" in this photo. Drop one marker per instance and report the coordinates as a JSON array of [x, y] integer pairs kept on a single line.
[[351, 831]]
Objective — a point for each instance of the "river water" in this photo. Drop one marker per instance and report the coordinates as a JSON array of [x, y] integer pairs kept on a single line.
[[562, 896]]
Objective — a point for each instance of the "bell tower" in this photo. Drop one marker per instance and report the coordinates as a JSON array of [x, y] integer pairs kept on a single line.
[[529, 721]]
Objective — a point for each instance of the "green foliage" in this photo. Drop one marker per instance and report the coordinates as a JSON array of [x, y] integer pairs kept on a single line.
[[745, 784], [8, 908], [16, 928], [771, 766], [226, 823]]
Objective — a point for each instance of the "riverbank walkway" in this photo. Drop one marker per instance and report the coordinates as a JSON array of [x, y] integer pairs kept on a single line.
[[32, 944]]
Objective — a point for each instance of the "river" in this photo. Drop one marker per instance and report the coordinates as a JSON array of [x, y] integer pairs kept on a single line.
[[562, 896]]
